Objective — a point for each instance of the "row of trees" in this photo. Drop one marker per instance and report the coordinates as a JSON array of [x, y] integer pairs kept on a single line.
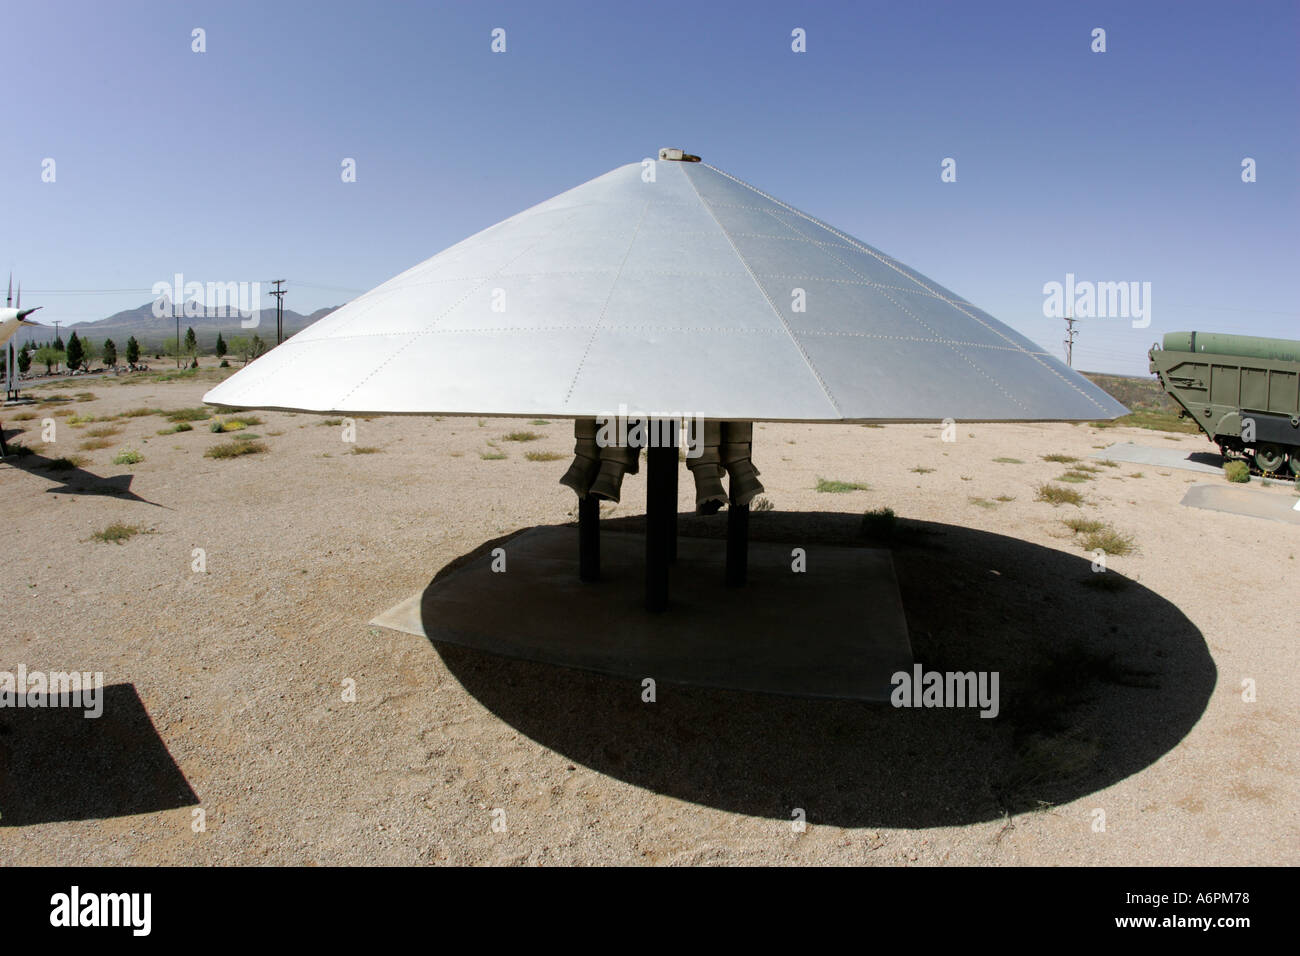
[[80, 353], [244, 347]]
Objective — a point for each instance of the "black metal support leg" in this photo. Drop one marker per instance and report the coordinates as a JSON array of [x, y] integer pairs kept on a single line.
[[589, 538], [737, 545], [672, 496], [660, 507]]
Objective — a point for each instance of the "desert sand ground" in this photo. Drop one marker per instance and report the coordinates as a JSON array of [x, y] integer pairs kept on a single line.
[[1122, 699]]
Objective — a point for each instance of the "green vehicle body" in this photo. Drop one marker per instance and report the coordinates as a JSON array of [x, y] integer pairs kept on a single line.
[[1243, 392]]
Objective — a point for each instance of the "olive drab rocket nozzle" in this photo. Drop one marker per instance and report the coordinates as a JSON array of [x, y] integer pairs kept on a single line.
[[706, 468], [737, 442], [586, 457], [615, 462], [598, 471]]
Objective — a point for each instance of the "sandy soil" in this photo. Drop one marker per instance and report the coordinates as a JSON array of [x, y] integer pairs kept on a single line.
[[1123, 699]]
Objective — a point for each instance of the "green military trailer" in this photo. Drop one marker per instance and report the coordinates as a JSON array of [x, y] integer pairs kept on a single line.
[[1243, 392]]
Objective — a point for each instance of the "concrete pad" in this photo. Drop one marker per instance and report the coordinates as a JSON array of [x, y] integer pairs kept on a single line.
[[1244, 500], [1207, 462], [836, 630]]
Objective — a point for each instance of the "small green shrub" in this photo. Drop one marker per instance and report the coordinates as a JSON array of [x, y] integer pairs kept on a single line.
[[840, 487], [234, 449], [1108, 540], [128, 456], [879, 523], [1236, 471], [117, 533], [1056, 495]]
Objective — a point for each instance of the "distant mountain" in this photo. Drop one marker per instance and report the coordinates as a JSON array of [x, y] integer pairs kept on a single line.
[[151, 331]]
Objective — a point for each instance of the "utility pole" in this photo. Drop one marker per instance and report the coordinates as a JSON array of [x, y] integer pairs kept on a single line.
[[279, 310], [1070, 333]]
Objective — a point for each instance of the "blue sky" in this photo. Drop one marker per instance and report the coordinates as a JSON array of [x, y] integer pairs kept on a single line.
[[225, 165]]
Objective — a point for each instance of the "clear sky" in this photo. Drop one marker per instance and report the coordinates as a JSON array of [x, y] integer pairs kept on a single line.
[[225, 165]]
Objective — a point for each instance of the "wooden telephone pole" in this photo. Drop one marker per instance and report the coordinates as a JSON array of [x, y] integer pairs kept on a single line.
[[279, 310]]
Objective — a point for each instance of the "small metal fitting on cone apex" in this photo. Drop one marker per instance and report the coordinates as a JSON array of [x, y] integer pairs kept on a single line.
[[615, 461], [737, 442], [586, 457], [706, 468]]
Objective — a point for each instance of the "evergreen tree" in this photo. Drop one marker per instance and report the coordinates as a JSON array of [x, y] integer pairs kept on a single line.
[[24, 359], [110, 353], [191, 341], [74, 355], [221, 346], [132, 350]]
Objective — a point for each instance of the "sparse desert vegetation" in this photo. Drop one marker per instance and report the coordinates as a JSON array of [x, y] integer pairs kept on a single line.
[[879, 523], [1056, 495], [118, 533], [840, 487], [234, 449], [68, 463], [196, 414], [1083, 525], [1109, 540]]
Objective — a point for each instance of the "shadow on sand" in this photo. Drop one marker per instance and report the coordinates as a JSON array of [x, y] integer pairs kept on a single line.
[[75, 481], [1099, 677], [60, 765]]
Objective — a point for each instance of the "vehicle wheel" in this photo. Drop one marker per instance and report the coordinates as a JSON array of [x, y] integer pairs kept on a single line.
[[1269, 458], [1295, 460]]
